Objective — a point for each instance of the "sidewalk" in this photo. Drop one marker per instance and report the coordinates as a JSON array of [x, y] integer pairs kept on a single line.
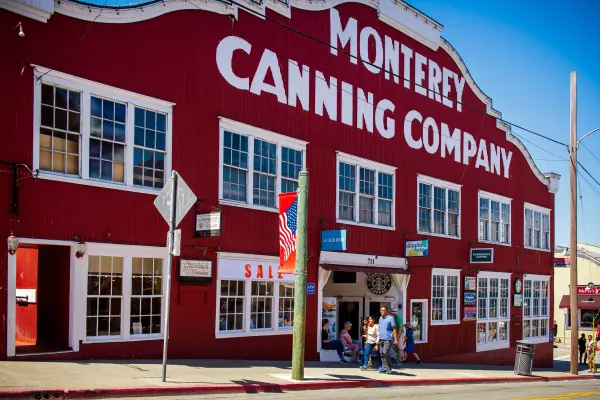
[[95, 379]]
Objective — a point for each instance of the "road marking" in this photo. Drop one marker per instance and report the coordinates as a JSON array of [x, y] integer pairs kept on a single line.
[[563, 357], [562, 396]]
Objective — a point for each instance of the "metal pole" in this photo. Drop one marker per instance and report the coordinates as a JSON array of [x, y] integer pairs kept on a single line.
[[170, 242], [573, 247], [300, 281]]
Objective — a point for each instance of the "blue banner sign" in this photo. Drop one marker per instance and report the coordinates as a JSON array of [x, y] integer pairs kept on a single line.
[[310, 288], [333, 240]]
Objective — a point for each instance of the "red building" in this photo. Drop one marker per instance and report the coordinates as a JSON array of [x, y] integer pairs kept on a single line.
[[403, 148]]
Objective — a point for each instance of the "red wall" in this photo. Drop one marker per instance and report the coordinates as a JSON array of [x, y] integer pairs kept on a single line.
[[172, 57]]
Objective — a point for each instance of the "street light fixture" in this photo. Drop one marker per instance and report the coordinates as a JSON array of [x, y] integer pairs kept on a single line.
[[13, 244]]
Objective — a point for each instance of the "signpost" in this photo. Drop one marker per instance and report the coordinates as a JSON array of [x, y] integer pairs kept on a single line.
[[173, 202]]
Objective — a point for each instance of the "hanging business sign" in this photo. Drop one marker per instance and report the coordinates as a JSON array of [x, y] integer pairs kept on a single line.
[[195, 271], [561, 261], [482, 256], [333, 240], [416, 248], [469, 299], [208, 224], [517, 300]]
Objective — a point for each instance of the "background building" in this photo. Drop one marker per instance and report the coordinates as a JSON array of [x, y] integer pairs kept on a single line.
[[404, 150], [588, 298]]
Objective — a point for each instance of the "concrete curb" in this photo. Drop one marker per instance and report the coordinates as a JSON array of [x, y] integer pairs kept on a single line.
[[147, 391]]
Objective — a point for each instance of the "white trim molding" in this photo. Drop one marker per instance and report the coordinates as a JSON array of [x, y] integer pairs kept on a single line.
[[536, 316], [39, 10], [446, 273], [501, 200], [497, 320], [447, 186], [544, 212], [424, 319], [362, 260]]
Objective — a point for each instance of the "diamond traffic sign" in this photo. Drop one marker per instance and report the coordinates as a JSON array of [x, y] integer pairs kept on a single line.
[[185, 200]]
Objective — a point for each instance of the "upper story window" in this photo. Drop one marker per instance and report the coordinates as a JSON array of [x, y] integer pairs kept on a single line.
[[438, 207], [537, 227], [365, 192], [445, 295], [98, 135], [257, 165], [494, 218]]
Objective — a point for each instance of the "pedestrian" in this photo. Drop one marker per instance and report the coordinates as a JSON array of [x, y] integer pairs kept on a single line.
[[582, 350], [410, 343], [591, 354], [364, 333], [346, 340], [554, 332], [329, 344], [388, 336], [371, 344]]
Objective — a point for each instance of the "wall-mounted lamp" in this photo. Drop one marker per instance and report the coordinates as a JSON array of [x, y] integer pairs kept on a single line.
[[20, 26], [13, 244], [591, 285], [81, 249]]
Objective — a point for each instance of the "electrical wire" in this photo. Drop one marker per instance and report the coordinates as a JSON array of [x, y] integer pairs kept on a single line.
[[584, 226]]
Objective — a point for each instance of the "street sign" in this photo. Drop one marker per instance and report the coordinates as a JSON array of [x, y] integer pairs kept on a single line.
[[176, 242], [310, 288], [185, 200]]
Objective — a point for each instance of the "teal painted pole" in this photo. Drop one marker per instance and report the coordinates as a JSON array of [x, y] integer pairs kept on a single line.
[[300, 281]]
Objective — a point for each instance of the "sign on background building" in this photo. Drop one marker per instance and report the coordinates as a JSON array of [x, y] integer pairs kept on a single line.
[[482, 256], [561, 261], [208, 224]]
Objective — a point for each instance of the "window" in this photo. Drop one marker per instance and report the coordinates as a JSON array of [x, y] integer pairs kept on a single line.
[[257, 165], [537, 227], [445, 292], [231, 309], [262, 305], [286, 304], [365, 192], [494, 218], [418, 319], [535, 307], [124, 292], [493, 318], [438, 207], [344, 277], [587, 318], [146, 295], [98, 135]]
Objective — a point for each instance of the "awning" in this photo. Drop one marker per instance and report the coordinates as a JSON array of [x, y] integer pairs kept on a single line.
[[583, 302], [365, 269]]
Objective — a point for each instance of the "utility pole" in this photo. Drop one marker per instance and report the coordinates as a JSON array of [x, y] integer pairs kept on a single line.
[[300, 280], [573, 246]]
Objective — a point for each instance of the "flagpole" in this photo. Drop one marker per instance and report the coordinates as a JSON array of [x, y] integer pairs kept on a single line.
[[300, 281]]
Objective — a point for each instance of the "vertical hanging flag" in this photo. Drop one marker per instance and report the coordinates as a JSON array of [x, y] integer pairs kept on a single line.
[[288, 219]]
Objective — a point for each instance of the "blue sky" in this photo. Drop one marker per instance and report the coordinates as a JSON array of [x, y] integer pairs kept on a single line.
[[521, 54]]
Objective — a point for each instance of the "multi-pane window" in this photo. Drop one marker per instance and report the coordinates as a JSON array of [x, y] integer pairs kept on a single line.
[[265, 173], [494, 218], [256, 165], [291, 165], [107, 142], [535, 307], [104, 296], [149, 148], [60, 130], [365, 192], [537, 227], [261, 307], [286, 304], [492, 310], [99, 134], [146, 295], [231, 306], [444, 296], [438, 207]]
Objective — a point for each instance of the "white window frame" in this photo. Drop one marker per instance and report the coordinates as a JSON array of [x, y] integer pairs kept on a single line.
[[252, 133], [88, 89], [502, 200], [358, 163], [499, 344], [425, 323], [539, 338], [446, 272], [246, 331], [534, 208], [434, 182], [128, 253]]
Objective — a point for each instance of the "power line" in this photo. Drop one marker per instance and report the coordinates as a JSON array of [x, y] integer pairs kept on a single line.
[[539, 147], [589, 151], [587, 172]]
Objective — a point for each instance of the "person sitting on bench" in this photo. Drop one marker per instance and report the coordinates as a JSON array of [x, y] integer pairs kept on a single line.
[[328, 344]]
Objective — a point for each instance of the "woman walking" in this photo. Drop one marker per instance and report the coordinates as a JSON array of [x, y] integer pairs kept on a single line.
[[371, 344], [410, 343]]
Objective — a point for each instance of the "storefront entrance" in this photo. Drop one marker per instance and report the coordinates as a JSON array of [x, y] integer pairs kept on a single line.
[[42, 299]]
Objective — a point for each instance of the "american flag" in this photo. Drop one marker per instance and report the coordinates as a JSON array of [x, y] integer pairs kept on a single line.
[[287, 230]]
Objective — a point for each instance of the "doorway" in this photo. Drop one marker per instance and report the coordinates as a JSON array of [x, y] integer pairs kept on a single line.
[[349, 309], [42, 299]]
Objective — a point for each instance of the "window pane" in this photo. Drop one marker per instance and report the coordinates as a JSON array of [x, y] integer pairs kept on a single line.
[[149, 140], [366, 209], [424, 207]]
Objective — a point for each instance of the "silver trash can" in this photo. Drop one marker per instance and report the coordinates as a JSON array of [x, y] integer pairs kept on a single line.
[[524, 358]]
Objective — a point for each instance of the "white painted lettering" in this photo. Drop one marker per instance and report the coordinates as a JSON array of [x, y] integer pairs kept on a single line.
[[434, 80], [495, 159], [326, 95], [225, 51], [446, 75], [420, 62], [408, 54], [298, 84], [364, 110], [506, 161], [450, 143], [482, 156], [386, 129], [345, 35], [347, 92], [392, 59], [410, 117], [459, 82], [469, 147], [269, 62], [375, 65], [431, 146]]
